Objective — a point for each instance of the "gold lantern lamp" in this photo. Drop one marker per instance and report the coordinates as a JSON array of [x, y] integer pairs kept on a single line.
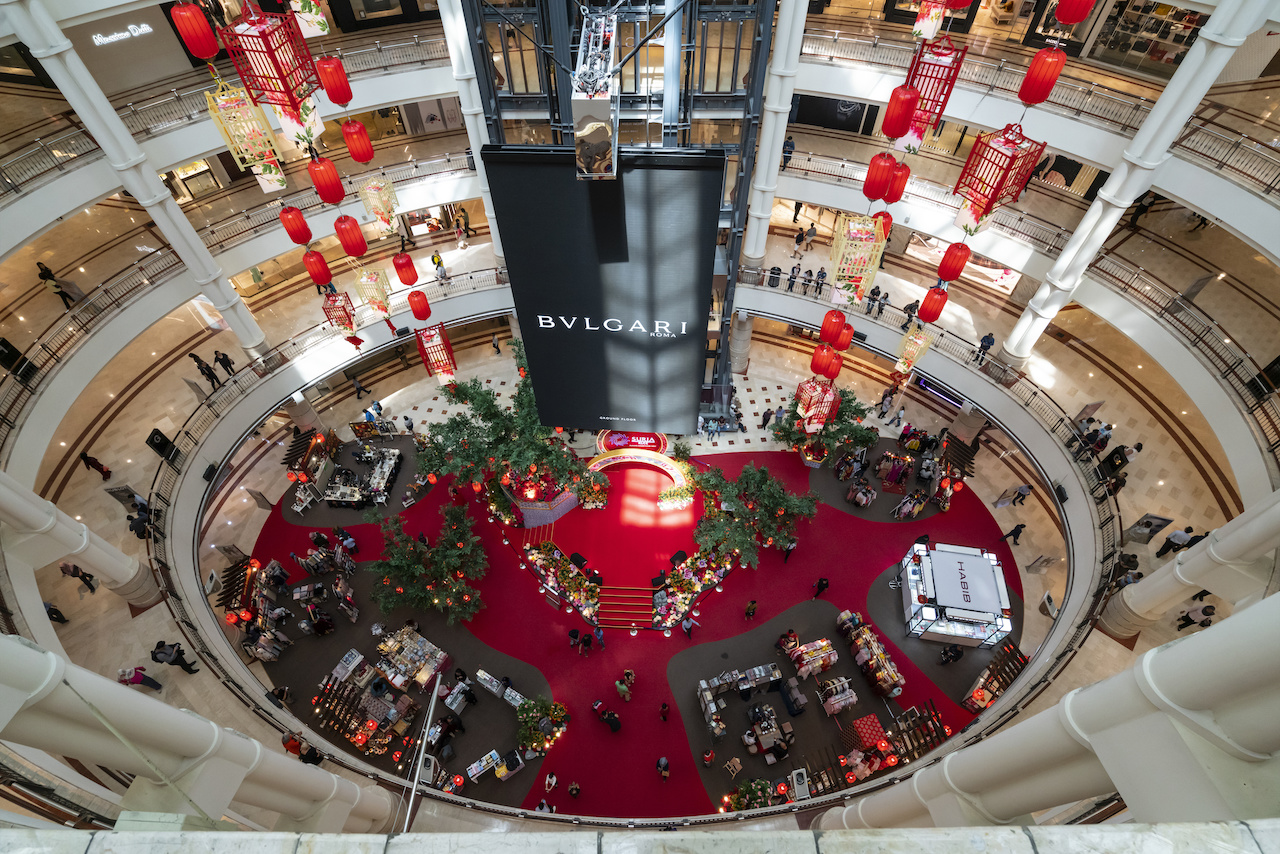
[[379, 197], [243, 125], [375, 289], [856, 249], [914, 344]]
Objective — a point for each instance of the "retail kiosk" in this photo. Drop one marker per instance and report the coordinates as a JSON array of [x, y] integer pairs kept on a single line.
[[955, 594]]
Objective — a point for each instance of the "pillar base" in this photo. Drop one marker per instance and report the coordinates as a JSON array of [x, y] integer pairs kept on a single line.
[[1120, 621], [1013, 360], [740, 343], [140, 590]]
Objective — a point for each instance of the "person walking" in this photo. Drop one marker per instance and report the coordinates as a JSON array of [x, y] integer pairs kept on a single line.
[[70, 570], [809, 236], [54, 614], [599, 635], [408, 424], [799, 242], [664, 768], [896, 420], [950, 653], [791, 280], [56, 289], [751, 610], [663, 711], [788, 549], [1140, 210], [550, 781], [1199, 616], [764, 420], [1021, 496], [376, 406], [136, 676], [574, 789], [778, 413], [873, 297], [222, 359], [1177, 541], [584, 648], [575, 638], [708, 757], [172, 654], [92, 464], [497, 348], [629, 676], [788, 150], [624, 690], [359, 389], [988, 341], [819, 587], [910, 309], [687, 624], [1015, 533], [796, 216], [466, 222], [210, 374]]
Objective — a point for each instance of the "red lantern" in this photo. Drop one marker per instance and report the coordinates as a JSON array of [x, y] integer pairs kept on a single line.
[[957, 255], [291, 475], [407, 273], [833, 368], [350, 236], [1072, 11], [246, 615], [822, 356], [845, 338], [333, 80], [831, 324], [931, 306], [475, 487], [231, 618], [1041, 77], [897, 184], [271, 57], [886, 220], [357, 140], [899, 112], [317, 267], [192, 25], [419, 306], [325, 177], [295, 225], [559, 429], [957, 5], [879, 173], [431, 478], [506, 479]]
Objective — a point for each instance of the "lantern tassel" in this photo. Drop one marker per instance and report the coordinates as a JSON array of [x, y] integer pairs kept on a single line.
[[355, 341], [390, 325]]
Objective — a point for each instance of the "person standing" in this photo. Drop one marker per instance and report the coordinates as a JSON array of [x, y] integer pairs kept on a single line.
[[796, 216], [70, 570], [376, 406], [584, 648], [1177, 541], [54, 288], [135, 676], [778, 413], [820, 279], [872, 298], [466, 221], [54, 614], [497, 348], [950, 653], [624, 690], [764, 421], [1141, 208], [92, 464], [359, 389], [911, 309], [599, 634], [809, 236], [1015, 533], [171, 654], [788, 549], [664, 767], [574, 789], [988, 341], [550, 781], [884, 301], [819, 587], [896, 420], [687, 624], [575, 638], [791, 280], [222, 359], [663, 711], [1200, 616], [751, 610], [788, 149], [1021, 496], [408, 423]]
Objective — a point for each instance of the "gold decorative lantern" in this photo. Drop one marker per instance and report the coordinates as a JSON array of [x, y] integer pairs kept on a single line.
[[858, 243], [379, 197], [912, 347], [374, 288], [242, 124]]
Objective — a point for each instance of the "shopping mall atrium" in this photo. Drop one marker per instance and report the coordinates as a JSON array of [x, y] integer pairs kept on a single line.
[[754, 417]]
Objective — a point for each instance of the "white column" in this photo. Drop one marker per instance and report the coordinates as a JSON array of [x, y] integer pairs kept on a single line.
[[740, 342], [50, 704], [1228, 27], [303, 414], [780, 84], [464, 71], [1223, 562], [1191, 732], [37, 534], [33, 24]]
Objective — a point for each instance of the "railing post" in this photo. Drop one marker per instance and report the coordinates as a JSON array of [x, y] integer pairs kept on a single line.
[[1235, 146], [56, 162], [1088, 96]]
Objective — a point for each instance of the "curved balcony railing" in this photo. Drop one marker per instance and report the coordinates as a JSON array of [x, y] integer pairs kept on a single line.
[[1030, 396], [42, 160], [1238, 372], [1246, 161]]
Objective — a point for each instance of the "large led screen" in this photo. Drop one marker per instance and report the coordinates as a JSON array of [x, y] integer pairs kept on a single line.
[[611, 281]]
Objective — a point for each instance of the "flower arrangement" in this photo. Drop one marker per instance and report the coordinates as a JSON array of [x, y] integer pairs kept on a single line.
[[563, 578], [530, 716], [748, 796], [677, 497]]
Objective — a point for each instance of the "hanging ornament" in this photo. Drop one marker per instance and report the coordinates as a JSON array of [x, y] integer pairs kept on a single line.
[[845, 338], [914, 344], [437, 353], [350, 236], [834, 366], [1042, 76], [419, 306], [897, 184], [379, 198], [317, 267], [953, 261], [821, 360], [929, 19], [968, 220], [958, 5], [831, 325], [886, 223], [879, 173], [374, 288], [816, 402], [295, 225], [998, 168], [405, 271], [333, 79], [271, 57], [934, 301], [356, 137], [310, 17], [856, 248], [342, 314], [242, 124], [933, 73], [899, 112], [324, 175], [1071, 12], [193, 28]]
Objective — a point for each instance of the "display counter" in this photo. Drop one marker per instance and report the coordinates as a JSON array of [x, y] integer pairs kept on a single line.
[[955, 594], [407, 656], [814, 657], [746, 683], [874, 662]]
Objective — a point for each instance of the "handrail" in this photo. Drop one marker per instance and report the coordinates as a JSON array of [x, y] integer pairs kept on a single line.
[[37, 163], [1237, 371], [198, 424], [1247, 161]]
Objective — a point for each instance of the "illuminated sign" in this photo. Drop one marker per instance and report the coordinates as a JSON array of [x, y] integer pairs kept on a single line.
[[131, 31]]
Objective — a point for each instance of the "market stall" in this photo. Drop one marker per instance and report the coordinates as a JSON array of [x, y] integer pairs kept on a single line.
[[955, 594], [409, 657], [756, 680], [363, 705], [308, 464], [348, 488], [814, 657]]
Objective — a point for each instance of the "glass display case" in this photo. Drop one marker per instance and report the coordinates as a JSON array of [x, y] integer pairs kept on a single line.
[[1147, 37], [955, 594]]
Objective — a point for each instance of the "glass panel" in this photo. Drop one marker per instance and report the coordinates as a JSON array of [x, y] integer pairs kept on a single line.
[[515, 57], [718, 44], [642, 74]]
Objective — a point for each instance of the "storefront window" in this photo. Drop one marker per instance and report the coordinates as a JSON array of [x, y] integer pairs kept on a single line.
[[195, 178], [954, 20], [1147, 37]]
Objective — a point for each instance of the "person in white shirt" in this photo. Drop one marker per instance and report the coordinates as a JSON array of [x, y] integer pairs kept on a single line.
[[1176, 541]]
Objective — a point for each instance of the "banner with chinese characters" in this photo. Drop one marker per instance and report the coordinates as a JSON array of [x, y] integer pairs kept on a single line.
[[379, 197], [304, 127], [310, 18]]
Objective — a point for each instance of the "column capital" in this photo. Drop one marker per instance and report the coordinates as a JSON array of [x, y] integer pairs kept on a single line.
[[1225, 41], [1144, 163]]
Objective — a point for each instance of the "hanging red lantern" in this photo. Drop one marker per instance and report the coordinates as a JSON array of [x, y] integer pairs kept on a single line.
[[271, 56], [324, 175], [419, 306], [931, 306], [1072, 11], [897, 184], [295, 225], [833, 368], [357, 140], [831, 324], [559, 429], [886, 220], [317, 267], [407, 273], [350, 236], [475, 487], [506, 479], [1042, 76], [953, 261], [957, 5], [431, 478], [879, 173], [899, 112], [845, 338], [822, 356], [193, 27], [333, 80]]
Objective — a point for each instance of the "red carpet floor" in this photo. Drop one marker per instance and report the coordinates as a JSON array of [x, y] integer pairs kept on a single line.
[[617, 771]]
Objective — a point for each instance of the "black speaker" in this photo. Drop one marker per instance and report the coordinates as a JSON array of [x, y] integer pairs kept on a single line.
[[403, 331], [160, 443], [1061, 493], [659, 581], [678, 558], [578, 560], [210, 472]]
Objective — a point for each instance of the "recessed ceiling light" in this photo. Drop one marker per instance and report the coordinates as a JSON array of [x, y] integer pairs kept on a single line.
[[1184, 412], [1090, 374], [63, 444], [77, 518]]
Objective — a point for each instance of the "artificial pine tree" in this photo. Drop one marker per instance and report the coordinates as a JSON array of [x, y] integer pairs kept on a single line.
[[758, 511], [401, 572], [456, 558]]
